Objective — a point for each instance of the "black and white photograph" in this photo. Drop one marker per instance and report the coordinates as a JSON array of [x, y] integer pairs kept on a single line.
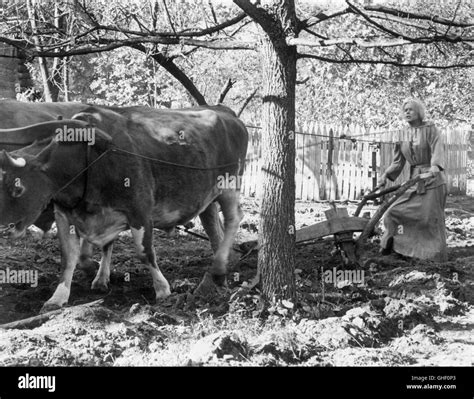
[[237, 184]]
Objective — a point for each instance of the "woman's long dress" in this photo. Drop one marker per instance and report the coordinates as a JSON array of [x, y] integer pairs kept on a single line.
[[416, 220]]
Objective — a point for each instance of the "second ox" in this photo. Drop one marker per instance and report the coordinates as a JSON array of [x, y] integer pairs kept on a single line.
[[148, 168], [15, 119]]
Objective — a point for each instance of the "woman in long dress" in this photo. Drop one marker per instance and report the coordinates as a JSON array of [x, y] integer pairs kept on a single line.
[[415, 223]]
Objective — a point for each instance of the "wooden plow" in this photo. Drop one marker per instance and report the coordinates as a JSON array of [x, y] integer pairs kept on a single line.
[[339, 224]]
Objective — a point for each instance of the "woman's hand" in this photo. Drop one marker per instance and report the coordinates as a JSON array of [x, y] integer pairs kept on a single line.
[[435, 170]]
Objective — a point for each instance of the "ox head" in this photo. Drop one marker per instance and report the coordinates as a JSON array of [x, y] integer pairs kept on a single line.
[[30, 176], [25, 190]]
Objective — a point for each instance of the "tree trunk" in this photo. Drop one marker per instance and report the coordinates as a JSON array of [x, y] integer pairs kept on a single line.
[[277, 212], [43, 66], [58, 64], [66, 78], [53, 79], [276, 258]]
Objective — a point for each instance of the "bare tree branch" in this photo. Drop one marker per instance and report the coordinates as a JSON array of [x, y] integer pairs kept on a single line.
[[216, 28], [102, 44], [401, 21], [220, 44], [229, 84], [183, 33], [354, 41], [94, 26], [154, 13], [209, 2], [326, 38], [140, 24], [302, 81], [338, 11], [385, 62], [169, 18], [411, 15], [318, 35], [168, 64], [377, 25], [324, 16], [204, 16], [87, 16], [426, 39], [454, 17], [240, 27], [246, 102], [93, 37], [256, 13]]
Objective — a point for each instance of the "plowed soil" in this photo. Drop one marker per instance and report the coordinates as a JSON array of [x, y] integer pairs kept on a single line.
[[406, 311]]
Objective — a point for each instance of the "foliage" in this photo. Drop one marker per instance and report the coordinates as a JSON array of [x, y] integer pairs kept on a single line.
[[363, 94], [370, 95], [127, 76]]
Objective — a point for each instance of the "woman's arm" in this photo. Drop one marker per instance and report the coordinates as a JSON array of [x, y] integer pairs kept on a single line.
[[436, 144], [396, 167]]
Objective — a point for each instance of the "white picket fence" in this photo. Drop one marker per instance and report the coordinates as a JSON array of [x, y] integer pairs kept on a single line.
[[330, 165]]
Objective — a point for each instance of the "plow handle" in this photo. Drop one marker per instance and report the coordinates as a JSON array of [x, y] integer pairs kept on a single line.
[[399, 190]]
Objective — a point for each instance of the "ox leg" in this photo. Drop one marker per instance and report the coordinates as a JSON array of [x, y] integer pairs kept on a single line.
[[86, 262], [143, 239], [101, 281], [229, 202], [45, 222], [69, 258], [212, 225]]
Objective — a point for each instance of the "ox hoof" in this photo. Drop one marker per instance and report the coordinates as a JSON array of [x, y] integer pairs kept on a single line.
[[49, 307], [207, 288], [163, 294], [219, 279], [101, 286]]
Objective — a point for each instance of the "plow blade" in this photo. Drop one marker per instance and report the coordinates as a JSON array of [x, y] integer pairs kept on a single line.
[[331, 226]]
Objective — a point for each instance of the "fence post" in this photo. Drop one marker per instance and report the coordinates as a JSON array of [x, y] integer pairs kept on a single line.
[[330, 186], [374, 167]]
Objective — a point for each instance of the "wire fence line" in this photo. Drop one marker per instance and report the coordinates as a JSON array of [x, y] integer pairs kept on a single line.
[[344, 162]]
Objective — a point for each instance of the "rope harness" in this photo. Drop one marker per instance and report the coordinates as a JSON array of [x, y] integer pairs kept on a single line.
[[115, 149], [89, 164]]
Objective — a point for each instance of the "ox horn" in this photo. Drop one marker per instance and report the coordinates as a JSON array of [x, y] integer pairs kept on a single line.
[[19, 162], [89, 117], [92, 118]]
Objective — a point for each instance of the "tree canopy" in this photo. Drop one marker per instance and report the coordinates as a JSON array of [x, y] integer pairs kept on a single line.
[[121, 52]]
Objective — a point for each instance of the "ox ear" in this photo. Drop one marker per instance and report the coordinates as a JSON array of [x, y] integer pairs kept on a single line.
[[18, 190], [15, 162]]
